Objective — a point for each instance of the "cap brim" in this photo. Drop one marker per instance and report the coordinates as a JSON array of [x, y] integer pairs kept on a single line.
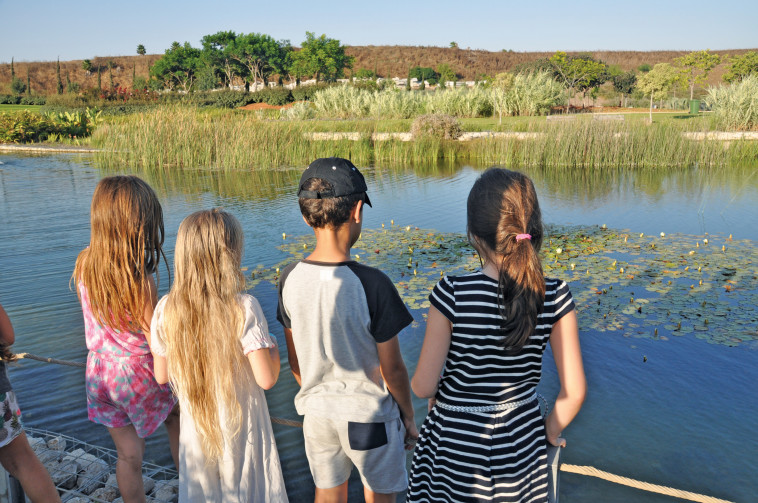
[[366, 200]]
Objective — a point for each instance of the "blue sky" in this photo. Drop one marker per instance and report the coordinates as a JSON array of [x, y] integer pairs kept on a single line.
[[43, 30]]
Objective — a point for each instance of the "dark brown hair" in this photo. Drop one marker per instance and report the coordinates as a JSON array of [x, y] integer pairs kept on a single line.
[[330, 212], [501, 205]]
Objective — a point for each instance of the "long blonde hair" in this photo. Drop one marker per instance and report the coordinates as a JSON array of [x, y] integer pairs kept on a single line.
[[202, 321], [126, 244]]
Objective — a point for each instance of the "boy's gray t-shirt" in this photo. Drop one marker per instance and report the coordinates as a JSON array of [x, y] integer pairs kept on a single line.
[[338, 312]]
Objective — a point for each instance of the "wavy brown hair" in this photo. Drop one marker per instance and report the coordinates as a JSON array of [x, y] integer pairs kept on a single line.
[[126, 244], [501, 205], [202, 321]]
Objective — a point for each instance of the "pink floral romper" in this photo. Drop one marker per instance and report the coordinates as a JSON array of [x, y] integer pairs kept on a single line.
[[121, 387]]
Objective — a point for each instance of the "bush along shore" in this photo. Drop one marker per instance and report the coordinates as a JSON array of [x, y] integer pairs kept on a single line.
[[182, 137]]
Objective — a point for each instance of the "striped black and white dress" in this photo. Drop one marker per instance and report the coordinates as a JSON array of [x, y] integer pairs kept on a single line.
[[485, 438]]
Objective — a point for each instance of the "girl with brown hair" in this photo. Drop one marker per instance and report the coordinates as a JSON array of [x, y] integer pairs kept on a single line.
[[114, 276], [211, 342], [484, 437]]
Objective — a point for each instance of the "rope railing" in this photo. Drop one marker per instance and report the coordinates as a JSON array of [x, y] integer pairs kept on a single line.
[[589, 471]]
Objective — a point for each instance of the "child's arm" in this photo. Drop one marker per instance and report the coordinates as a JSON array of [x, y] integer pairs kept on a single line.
[[292, 355], [564, 340], [7, 335], [147, 314], [431, 361], [395, 375], [265, 364]]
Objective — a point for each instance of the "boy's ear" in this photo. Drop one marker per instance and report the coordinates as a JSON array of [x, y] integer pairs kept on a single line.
[[356, 215], [306, 221]]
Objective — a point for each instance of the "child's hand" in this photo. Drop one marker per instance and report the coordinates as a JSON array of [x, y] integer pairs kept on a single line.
[[556, 441], [411, 434], [430, 405]]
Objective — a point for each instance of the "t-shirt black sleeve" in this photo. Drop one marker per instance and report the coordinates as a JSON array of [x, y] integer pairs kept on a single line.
[[281, 311], [387, 310], [443, 298], [561, 302]]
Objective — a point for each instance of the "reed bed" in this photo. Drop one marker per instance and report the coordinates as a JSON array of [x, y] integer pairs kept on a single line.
[[178, 137], [735, 106]]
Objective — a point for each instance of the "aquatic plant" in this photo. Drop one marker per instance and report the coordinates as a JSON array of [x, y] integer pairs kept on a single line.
[[623, 282]]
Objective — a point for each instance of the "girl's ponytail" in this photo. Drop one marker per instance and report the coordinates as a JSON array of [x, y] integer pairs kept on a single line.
[[505, 225]]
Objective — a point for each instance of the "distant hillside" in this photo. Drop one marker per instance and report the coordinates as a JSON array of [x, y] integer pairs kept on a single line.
[[387, 61]]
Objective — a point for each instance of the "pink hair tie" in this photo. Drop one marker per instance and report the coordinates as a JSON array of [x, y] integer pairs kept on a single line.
[[519, 237]]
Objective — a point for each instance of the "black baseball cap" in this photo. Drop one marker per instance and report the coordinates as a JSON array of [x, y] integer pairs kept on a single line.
[[341, 173]]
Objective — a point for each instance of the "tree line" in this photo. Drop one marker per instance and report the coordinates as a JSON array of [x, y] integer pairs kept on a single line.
[[227, 58]]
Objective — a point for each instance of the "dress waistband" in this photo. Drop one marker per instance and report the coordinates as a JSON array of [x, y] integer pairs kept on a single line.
[[109, 356], [487, 408]]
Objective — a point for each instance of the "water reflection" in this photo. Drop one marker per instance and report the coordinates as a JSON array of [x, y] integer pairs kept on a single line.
[[647, 408]]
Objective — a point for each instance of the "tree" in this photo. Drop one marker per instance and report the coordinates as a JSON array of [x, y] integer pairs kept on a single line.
[[58, 74], [177, 67], [17, 87], [260, 55], [644, 68], [580, 72], [742, 66], [365, 73], [624, 84], [658, 82], [322, 57], [141, 50], [422, 73], [28, 83], [696, 66], [453, 45], [87, 66], [446, 73], [110, 65], [217, 53]]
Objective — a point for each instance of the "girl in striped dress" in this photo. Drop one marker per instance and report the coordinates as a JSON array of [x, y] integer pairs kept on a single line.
[[484, 437]]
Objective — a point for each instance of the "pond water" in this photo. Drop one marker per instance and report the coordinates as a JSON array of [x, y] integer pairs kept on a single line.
[[677, 409]]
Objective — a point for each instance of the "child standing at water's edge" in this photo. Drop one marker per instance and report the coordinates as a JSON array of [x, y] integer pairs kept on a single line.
[[16, 455], [211, 341], [341, 321], [484, 438], [117, 291]]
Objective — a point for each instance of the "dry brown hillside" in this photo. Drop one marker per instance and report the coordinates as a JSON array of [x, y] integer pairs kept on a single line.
[[388, 61]]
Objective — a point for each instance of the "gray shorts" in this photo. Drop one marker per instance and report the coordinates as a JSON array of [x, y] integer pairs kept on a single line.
[[333, 446]]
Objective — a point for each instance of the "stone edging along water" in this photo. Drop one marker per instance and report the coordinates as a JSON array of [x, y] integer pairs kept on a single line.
[[356, 136]]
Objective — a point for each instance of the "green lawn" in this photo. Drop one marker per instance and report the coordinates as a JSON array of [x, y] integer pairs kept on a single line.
[[19, 108]]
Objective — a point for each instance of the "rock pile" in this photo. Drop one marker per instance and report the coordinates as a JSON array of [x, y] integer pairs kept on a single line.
[[84, 477]]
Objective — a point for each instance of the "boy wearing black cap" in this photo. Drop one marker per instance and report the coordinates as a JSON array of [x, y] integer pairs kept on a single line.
[[341, 321]]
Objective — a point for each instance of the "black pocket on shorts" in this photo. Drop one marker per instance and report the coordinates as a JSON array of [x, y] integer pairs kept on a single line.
[[366, 436]]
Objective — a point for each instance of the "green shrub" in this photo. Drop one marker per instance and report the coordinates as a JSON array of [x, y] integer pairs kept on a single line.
[[18, 86], [273, 96], [7, 99], [437, 126], [33, 100], [306, 93], [25, 127]]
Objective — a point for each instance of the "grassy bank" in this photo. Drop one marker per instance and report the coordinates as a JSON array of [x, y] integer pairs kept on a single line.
[[180, 137]]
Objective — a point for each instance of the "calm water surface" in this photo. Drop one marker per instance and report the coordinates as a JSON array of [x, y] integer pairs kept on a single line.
[[684, 418]]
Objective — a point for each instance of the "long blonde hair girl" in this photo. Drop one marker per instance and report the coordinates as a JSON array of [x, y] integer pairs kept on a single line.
[[126, 244], [202, 320]]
